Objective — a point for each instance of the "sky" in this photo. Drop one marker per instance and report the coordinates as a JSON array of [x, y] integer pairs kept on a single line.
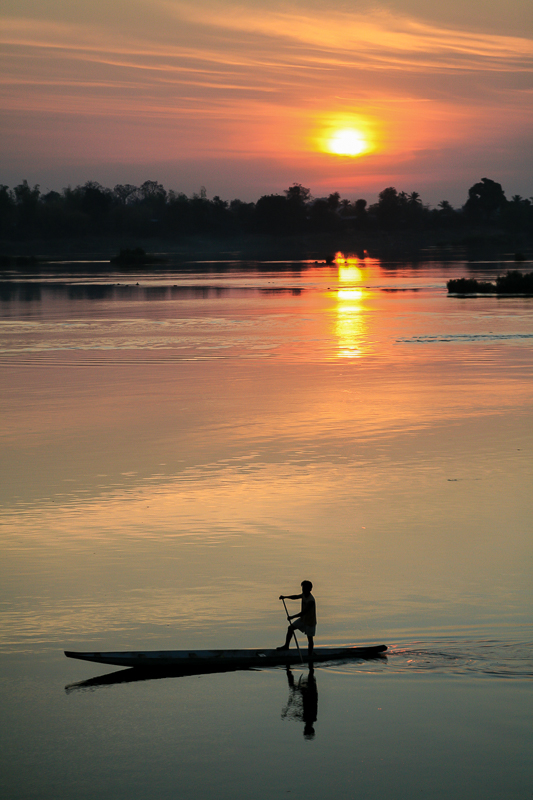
[[247, 98]]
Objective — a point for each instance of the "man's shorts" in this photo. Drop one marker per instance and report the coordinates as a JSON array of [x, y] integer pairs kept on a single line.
[[298, 625]]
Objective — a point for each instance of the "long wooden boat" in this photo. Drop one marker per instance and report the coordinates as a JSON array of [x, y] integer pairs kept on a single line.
[[232, 659]]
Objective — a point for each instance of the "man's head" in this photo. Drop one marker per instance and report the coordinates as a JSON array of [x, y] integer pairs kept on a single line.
[[306, 586]]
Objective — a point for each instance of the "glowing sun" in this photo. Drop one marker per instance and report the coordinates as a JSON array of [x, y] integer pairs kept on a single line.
[[347, 142]]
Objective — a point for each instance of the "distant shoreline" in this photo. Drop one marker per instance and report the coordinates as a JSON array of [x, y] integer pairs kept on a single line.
[[481, 244]]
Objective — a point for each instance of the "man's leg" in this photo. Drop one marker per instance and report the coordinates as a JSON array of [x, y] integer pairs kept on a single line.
[[310, 646], [290, 632]]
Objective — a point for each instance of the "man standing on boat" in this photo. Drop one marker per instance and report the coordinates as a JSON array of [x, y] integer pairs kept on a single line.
[[305, 620]]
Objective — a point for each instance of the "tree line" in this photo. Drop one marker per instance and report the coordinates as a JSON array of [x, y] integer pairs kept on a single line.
[[150, 210]]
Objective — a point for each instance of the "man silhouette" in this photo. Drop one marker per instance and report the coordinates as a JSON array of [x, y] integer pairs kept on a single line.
[[305, 619]]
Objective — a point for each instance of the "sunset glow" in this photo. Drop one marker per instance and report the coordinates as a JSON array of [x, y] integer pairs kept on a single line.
[[247, 99]]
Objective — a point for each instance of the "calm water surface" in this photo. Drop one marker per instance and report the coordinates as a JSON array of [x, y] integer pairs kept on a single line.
[[180, 448]]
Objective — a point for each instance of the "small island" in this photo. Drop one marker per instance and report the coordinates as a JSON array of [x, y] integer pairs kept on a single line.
[[513, 282], [135, 257]]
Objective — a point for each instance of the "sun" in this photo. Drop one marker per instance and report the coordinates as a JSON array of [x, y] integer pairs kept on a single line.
[[346, 135], [347, 142]]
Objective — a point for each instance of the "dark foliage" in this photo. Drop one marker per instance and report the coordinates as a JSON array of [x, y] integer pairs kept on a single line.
[[513, 282], [150, 210], [470, 286], [485, 201], [134, 257]]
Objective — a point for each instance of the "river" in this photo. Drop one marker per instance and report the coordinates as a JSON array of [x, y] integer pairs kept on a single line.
[[182, 445]]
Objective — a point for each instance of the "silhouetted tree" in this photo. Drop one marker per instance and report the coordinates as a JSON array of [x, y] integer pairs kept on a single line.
[[243, 215], [334, 201], [179, 214], [322, 217], [125, 192], [152, 192], [413, 210], [7, 210], [96, 203], [485, 200], [271, 214], [444, 216], [360, 208], [150, 209], [517, 214], [220, 221], [27, 202], [297, 198], [345, 208], [298, 194], [446, 207], [388, 207]]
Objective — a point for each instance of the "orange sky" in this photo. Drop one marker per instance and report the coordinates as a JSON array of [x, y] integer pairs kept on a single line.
[[239, 97]]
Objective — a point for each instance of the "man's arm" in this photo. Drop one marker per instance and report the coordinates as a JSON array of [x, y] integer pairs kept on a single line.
[[292, 597], [311, 604]]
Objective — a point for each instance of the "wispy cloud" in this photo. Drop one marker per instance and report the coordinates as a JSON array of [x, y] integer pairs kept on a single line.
[[283, 39], [375, 36]]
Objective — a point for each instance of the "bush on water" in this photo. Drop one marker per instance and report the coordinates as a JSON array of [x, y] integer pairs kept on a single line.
[[513, 282]]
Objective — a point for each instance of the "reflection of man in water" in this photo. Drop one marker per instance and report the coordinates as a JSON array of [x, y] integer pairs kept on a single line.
[[303, 701], [305, 620]]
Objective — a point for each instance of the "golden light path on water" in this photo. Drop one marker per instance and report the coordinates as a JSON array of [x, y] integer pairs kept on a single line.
[[351, 327], [186, 452]]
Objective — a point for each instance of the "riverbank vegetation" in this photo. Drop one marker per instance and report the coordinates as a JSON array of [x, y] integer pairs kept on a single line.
[[126, 216], [135, 257], [513, 282]]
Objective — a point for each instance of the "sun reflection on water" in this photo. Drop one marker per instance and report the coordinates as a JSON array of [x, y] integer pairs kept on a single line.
[[350, 327], [348, 267]]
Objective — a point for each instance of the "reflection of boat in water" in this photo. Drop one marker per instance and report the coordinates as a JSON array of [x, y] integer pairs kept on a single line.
[[135, 674], [227, 659], [303, 701], [208, 666]]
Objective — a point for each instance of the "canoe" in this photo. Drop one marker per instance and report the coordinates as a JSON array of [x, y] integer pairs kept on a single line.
[[233, 659]]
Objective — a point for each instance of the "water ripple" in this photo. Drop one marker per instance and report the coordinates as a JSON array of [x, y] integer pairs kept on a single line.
[[454, 657]]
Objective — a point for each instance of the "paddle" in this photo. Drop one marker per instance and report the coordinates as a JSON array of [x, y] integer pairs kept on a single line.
[[293, 633]]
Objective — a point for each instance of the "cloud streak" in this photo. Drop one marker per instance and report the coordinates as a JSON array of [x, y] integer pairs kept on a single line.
[[378, 33]]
